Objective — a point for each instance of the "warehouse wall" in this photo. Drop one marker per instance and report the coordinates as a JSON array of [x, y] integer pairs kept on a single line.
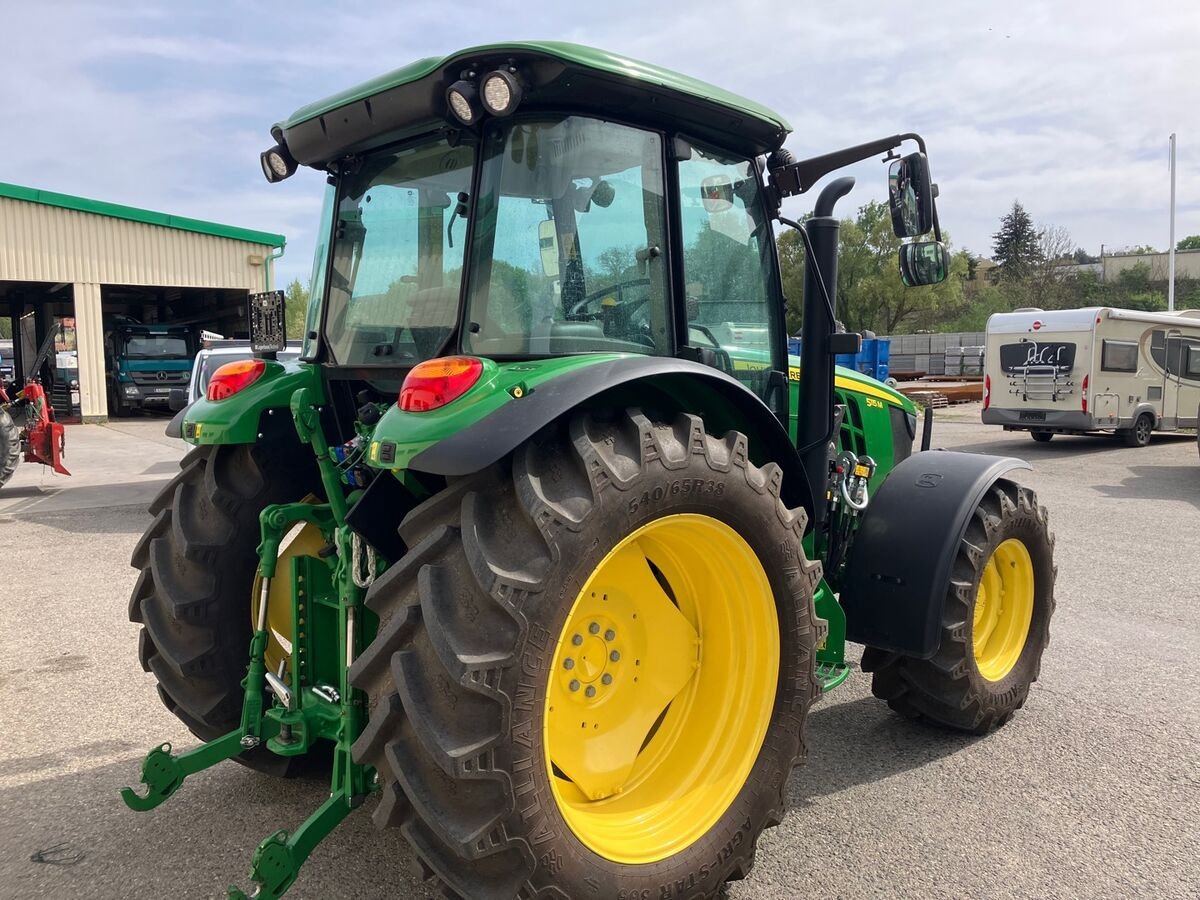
[[48, 243]]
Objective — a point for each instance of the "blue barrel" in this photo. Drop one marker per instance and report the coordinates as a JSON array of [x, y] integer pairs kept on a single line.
[[872, 360]]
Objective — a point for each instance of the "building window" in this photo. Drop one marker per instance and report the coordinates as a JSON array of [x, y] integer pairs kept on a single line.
[[1119, 356]]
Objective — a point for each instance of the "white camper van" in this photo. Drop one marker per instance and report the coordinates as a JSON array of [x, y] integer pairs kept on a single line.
[[1075, 371]]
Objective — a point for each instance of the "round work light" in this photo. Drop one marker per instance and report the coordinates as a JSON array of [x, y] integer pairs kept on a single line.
[[277, 164], [501, 92], [463, 100]]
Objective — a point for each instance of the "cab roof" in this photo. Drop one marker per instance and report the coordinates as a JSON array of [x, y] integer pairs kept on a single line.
[[558, 77]]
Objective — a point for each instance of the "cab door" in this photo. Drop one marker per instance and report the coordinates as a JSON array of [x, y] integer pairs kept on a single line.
[[730, 283]]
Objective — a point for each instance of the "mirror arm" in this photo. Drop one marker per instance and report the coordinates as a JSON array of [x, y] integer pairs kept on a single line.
[[789, 178]]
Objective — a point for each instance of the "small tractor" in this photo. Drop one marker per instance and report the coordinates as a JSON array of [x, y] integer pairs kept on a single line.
[[545, 539], [39, 438]]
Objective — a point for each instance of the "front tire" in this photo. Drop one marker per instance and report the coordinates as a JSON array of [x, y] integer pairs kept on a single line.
[[1042, 437], [10, 447], [474, 670], [197, 563], [995, 625]]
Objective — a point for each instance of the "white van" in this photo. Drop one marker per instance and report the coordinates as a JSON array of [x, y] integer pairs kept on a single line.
[[1075, 371]]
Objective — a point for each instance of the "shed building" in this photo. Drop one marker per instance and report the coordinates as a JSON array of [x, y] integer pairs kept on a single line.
[[74, 265]]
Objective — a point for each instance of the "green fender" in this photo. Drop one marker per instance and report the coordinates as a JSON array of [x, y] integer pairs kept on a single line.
[[238, 419]]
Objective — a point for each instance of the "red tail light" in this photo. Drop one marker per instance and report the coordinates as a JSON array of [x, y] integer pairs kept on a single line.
[[436, 382], [233, 377], [1083, 394], [987, 391]]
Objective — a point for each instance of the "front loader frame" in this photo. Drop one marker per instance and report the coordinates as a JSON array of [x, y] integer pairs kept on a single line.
[[303, 710]]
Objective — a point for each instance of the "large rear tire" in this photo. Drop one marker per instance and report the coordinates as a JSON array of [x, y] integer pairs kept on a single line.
[[197, 563], [10, 447], [995, 625], [549, 556]]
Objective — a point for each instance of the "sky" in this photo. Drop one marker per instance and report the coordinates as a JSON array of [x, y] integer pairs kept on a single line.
[[1063, 106]]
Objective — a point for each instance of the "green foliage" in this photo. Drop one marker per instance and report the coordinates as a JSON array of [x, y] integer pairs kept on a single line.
[[295, 304], [870, 295], [1016, 246], [1191, 242]]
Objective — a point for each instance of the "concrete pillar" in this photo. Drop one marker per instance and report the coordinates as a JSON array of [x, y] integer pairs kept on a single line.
[[89, 338]]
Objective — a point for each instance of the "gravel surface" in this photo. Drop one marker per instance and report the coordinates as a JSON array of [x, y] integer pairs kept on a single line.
[[1092, 790]]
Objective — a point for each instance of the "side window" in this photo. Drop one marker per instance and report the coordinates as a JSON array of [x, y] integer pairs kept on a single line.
[[1119, 356], [727, 262]]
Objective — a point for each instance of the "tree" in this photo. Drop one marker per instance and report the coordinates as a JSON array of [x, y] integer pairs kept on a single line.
[[870, 295], [295, 307], [791, 267], [1015, 247], [1082, 257], [1191, 242]]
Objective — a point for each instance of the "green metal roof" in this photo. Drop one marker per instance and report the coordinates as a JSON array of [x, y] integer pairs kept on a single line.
[[589, 57], [144, 216]]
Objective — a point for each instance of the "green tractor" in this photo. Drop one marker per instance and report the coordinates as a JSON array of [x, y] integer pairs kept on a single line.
[[545, 538]]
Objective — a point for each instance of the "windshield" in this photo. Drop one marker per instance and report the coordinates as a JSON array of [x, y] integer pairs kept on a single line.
[[568, 253], [397, 255], [156, 346]]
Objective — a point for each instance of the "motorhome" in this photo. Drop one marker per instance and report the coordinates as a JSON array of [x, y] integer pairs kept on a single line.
[[1080, 371]]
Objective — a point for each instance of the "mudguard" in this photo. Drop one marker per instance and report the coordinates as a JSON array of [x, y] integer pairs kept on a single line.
[[898, 572], [723, 401]]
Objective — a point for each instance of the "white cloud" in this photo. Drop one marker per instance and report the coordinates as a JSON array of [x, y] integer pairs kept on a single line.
[[1064, 105]]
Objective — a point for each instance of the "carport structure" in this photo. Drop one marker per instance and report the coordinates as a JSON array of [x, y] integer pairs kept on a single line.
[[72, 263]]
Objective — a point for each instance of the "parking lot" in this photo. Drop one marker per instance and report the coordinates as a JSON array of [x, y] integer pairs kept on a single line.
[[1092, 791]]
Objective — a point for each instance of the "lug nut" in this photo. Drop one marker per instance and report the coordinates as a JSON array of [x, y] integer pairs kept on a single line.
[[606, 678], [568, 663], [591, 691], [594, 628], [574, 685], [609, 635], [577, 640], [615, 656]]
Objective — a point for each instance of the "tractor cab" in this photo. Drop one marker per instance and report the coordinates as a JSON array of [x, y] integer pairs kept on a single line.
[[515, 203]]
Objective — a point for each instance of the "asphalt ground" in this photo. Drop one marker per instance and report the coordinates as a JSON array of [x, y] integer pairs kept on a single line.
[[1091, 791]]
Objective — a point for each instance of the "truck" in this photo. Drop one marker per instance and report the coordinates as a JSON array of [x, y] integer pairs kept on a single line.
[[524, 542], [144, 362], [1092, 370]]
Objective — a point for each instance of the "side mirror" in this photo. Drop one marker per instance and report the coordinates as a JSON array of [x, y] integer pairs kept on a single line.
[[925, 262], [178, 399], [267, 324], [910, 196]]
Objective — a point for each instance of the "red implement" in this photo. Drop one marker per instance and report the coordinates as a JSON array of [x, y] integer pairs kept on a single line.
[[45, 440]]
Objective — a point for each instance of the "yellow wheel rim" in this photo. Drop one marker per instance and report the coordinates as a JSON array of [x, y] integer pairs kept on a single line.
[[1003, 610], [661, 688], [305, 541]]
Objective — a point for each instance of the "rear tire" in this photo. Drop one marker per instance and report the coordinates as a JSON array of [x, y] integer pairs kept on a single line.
[[950, 689], [459, 674], [197, 563], [1139, 434], [10, 447], [1042, 437]]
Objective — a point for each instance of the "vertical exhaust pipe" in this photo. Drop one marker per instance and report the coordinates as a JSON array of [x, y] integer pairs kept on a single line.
[[814, 424]]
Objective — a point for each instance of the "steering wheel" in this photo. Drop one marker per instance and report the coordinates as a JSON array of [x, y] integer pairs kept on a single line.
[[619, 288]]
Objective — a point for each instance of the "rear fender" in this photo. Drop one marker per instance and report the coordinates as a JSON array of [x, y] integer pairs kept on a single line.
[[662, 383], [239, 419], [899, 568]]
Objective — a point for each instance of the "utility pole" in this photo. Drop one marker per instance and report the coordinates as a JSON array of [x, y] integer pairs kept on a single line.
[[1171, 247]]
